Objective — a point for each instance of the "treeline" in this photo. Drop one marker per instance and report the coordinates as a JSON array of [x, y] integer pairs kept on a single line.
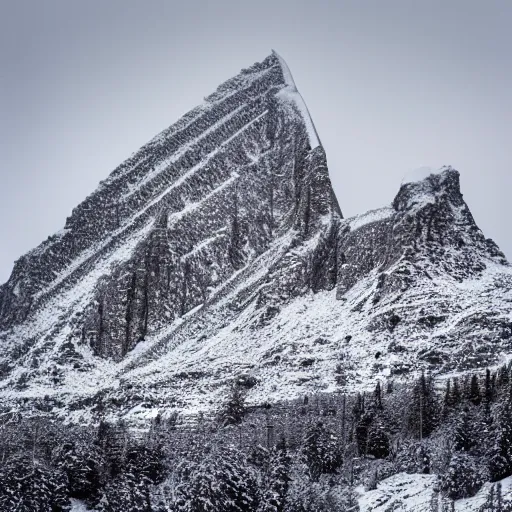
[[308, 455]]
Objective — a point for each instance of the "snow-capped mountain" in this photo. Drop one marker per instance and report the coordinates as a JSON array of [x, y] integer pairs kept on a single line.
[[218, 251]]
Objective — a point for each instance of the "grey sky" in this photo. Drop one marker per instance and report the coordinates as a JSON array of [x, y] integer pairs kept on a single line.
[[390, 85]]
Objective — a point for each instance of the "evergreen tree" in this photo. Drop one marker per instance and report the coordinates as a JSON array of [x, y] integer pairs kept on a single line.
[[321, 451], [358, 408], [423, 460], [500, 457], [234, 408], [499, 498], [126, 492], [145, 462], [462, 478], [448, 399], [276, 480], [489, 505], [489, 388], [361, 433], [488, 397], [217, 481], [377, 394], [423, 408], [113, 440], [474, 391], [85, 469], [378, 440], [26, 485], [462, 433], [349, 502], [456, 393], [503, 376]]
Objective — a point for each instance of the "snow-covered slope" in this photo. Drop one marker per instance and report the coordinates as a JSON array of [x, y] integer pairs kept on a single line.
[[420, 493], [218, 252]]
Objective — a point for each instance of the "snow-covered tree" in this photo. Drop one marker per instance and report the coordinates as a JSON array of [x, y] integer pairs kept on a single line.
[[29, 486], [276, 480], [127, 491], [84, 466], [474, 391], [234, 408], [423, 408], [321, 451], [462, 432], [500, 456], [462, 479], [219, 481], [378, 440]]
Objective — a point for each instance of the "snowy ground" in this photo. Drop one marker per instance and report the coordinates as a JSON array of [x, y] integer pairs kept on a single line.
[[418, 493]]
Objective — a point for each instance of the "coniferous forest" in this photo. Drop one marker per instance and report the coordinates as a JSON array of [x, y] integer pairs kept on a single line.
[[311, 455]]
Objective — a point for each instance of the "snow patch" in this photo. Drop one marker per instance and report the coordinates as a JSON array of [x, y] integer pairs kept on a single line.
[[420, 174], [417, 493], [78, 506], [369, 217], [290, 93]]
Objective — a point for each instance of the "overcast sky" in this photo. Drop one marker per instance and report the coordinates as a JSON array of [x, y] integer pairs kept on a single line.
[[391, 85]]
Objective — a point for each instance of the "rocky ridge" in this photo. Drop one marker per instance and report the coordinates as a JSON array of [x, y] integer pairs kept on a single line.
[[218, 251]]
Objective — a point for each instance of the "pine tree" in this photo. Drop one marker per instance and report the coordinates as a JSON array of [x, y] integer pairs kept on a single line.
[[321, 451], [456, 393], [349, 502], [378, 440], [145, 462], [234, 408], [489, 388], [499, 498], [361, 433], [488, 397], [358, 408], [217, 481], [423, 460], [462, 479], [503, 377], [489, 505], [500, 457], [113, 441], [448, 399], [84, 466], [377, 394], [26, 485], [423, 408], [462, 433], [474, 391], [126, 492], [276, 480]]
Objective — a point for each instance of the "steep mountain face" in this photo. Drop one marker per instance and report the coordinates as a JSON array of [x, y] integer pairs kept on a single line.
[[174, 223], [218, 251]]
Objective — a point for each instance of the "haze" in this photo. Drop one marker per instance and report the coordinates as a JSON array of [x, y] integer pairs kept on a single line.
[[391, 86]]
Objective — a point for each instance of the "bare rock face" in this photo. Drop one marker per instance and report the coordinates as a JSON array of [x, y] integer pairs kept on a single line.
[[218, 250]]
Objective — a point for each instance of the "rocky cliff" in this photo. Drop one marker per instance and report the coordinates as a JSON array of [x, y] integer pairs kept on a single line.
[[218, 251]]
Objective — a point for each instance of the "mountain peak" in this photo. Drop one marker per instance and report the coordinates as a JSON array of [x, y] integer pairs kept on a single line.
[[422, 173], [219, 249], [290, 93], [219, 207], [427, 186]]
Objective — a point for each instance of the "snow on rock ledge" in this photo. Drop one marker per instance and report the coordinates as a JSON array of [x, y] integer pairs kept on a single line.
[[422, 173], [291, 94]]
